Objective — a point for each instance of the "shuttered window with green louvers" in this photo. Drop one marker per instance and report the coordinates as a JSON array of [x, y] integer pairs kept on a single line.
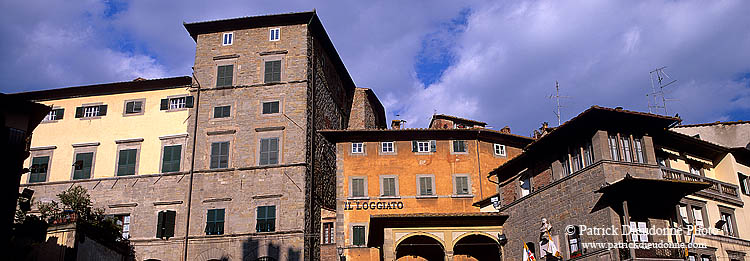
[[224, 75], [83, 165], [126, 162], [272, 71], [171, 158]]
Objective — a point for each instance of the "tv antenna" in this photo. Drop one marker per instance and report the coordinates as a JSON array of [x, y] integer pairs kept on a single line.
[[657, 99], [557, 97]]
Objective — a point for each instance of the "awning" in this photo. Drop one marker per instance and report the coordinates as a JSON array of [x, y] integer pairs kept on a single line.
[[656, 196], [694, 158], [378, 223]]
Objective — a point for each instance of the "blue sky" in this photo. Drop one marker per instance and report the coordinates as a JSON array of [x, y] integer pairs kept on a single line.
[[495, 61]]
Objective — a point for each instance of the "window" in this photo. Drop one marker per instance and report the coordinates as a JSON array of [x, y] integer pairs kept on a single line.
[[691, 257], [358, 147], [176, 103], [215, 222], [358, 186], [272, 71], [222, 111], [459, 146], [500, 150], [525, 184], [388, 186], [627, 154], [565, 164], [126, 162], [358, 235], [171, 158], [83, 164], [577, 160], [165, 224], [662, 161], [328, 233], [53, 115], [39, 166], [698, 216], [613, 149], [728, 224], [220, 155], [588, 154], [426, 185], [227, 39], [133, 107], [271, 107], [705, 258], [639, 231], [574, 242], [744, 184], [695, 169], [91, 111], [269, 151], [386, 146], [274, 34], [461, 185], [638, 149], [224, 75], [684, 214], [266, 219], [423, 146], [124, 222]]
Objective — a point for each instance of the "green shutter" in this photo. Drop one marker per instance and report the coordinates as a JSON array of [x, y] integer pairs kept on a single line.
[[126, 163], [86, 160], [160, 225], [39, 166], [164, 104], [102, 110], [79, 112], [169, 223], [171, 158], [414, 146], [276, 71], [268, 75], [433, 146], [189, 102], [59, 113], [130, 107]]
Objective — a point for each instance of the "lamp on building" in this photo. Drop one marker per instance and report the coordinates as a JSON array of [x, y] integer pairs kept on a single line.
[[340, 251]]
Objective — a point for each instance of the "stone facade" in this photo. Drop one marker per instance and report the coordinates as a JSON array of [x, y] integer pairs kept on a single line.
[[314, 92], [366, 111]]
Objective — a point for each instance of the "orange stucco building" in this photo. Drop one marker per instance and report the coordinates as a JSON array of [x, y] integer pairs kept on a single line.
[[406, 192]]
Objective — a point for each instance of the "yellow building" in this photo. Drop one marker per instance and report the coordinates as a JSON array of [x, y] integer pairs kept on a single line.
[[108, 130], [408, 194]]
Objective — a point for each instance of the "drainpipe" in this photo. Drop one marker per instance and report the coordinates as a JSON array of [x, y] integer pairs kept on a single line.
[[479, 167], [192, 166]]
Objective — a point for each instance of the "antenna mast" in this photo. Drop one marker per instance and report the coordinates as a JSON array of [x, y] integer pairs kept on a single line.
[[557, 99], [657, 98]]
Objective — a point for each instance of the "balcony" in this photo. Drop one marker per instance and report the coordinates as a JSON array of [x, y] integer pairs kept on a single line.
[[653, 254], [718, 190]]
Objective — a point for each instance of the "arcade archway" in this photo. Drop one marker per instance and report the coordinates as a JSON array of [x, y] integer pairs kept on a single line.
[[476, 247], [420, 247]]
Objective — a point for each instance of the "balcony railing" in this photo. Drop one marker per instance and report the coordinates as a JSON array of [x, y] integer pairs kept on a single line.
[[655, 253], [720, 189]]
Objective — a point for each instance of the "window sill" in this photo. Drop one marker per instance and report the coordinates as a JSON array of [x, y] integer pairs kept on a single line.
[[358, 198], [427, 196], [90, 118], [133, 114], [462, 196], [389, 197], [423, 153], [49, 121], [173, 110], [460, 153], [501, 155]]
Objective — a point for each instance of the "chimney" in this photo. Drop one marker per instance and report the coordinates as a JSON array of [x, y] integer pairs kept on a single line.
[[396, 124], [505, 129]]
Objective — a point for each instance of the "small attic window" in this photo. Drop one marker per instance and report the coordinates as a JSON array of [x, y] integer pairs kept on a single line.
[[227, 39]]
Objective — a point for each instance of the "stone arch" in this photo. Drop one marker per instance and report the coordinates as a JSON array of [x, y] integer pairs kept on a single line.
[[477, 246], [213, 254], [442, 242], [473, 233], [420, 246]]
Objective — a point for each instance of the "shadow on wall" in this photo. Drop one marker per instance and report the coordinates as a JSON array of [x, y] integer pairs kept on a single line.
[[265, 250]]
